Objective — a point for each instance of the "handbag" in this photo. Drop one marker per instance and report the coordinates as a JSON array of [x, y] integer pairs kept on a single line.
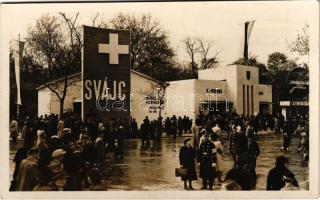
[[181, 172]]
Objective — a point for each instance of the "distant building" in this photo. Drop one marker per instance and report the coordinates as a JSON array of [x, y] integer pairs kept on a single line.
[[297, 101], [230, 88], [143, 94]]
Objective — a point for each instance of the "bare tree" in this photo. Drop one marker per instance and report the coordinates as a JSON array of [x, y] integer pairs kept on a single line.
[[301, 44], [207, 61], [192, 49], [99, 21], [157, 92], [54, 47]]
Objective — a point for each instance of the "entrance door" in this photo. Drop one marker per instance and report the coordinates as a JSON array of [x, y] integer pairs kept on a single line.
[[77, 108]]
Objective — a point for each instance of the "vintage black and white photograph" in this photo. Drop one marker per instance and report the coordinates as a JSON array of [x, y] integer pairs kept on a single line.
[[160, 96]]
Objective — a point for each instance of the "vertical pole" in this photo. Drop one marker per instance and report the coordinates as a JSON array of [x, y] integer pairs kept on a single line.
[[245, 52]]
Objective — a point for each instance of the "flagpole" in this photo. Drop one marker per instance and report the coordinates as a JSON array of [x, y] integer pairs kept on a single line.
[[245, 52]]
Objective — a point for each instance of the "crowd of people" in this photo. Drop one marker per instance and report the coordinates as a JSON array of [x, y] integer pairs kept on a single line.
[[207, 143], [66, 153]]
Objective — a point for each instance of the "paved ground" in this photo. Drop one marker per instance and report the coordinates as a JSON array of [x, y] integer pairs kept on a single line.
[[152, 168]]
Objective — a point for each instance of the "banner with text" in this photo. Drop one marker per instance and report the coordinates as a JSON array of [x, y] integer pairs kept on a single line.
[[106, 73]]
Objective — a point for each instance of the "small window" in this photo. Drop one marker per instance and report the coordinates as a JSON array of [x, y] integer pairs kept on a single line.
[[248, 75], [260, 93]]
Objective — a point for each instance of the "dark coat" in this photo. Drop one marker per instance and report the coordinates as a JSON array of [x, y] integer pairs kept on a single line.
[[145, 131], [240, 176], [88, 153], [28, 174], [275, 178], [241, 143], [187, 157], [206, 159], [253, 150]]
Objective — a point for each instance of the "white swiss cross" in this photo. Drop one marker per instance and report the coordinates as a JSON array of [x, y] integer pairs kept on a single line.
[[113, 49]]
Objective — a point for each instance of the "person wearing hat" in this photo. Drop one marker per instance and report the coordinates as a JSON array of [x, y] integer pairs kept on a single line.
[[44, 182], [187, 157], [275, 180], [203, 133], [56, 165], [207, 156], [28, 171]]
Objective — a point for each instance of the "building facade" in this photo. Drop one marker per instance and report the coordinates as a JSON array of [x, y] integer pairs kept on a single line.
[[143, 91], [233, 88], [229, 88]]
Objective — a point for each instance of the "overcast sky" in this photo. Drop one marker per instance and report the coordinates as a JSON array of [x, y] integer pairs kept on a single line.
[[219, 22]]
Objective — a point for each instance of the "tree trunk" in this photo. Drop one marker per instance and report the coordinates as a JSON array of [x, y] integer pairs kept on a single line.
[[61, 106]]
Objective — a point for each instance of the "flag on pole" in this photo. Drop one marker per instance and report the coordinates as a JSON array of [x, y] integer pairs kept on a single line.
[[17, 50], [247, 32]]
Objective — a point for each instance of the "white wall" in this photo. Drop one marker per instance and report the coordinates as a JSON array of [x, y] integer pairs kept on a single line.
[[201, 87], [44, 97], [254, 81], [217, 73], [73, 92], [267, 93], [180, 99], [141, 87]]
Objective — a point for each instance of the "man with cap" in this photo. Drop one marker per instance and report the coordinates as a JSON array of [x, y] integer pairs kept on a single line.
[[28, 171], [275, 179], [56, 165], [207, 155]]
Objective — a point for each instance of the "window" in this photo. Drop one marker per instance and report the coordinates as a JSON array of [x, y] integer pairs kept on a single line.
[[248, 75]]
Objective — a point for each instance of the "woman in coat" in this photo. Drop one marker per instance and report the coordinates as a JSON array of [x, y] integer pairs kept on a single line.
[[219, 164], [187, 157]]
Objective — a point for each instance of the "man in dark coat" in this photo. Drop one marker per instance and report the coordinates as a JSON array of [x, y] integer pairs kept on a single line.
[[29, 133], [21, 154], [134, 128], [207, 155], [252, 155], [241, 143], [187, 157], [144, 131], [159, 128], [286, 135], [174, 126], [180, 126], [167, 126], [28, 171], [275, 179]]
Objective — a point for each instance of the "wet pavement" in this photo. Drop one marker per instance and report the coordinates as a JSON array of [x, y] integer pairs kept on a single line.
[[152, 168]]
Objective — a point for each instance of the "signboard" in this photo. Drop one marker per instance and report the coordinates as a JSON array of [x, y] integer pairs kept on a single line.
[[106, 73], [298, 80]]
